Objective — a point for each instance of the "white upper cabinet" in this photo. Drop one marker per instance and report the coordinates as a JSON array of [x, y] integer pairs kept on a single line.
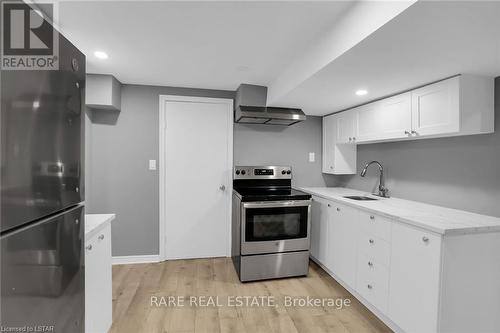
[[461, 105], [436, 108], [346, 129], [338, 159], [329, 132], [389, 118]]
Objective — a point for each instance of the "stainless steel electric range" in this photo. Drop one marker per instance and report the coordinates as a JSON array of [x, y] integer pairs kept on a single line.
[[270, 224]]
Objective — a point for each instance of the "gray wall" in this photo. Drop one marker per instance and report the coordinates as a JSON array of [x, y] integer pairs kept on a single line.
[[278, 145], [460, 172], [120, 145]]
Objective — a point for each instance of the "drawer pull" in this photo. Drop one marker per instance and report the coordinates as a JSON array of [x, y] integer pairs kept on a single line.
[[371, 241], [369, 286], [370, 264], [89, 247], [338, 209], [372, 217], [425, 239], [101, 237]]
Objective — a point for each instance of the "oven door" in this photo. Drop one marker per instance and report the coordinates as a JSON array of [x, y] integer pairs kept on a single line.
[[275, 226]]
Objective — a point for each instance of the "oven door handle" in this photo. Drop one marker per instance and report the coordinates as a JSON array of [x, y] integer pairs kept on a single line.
[[277, 204]]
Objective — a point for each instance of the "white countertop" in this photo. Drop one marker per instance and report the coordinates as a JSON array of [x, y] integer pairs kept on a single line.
[[95, 222], [438, 219]]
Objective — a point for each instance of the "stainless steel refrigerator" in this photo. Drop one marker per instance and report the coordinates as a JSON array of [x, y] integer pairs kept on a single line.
[[42, 194]]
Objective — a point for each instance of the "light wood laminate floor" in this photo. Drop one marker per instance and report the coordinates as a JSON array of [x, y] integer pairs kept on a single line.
[[133, 286]]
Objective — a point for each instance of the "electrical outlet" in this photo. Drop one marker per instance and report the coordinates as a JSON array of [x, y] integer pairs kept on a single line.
[[312, 157]]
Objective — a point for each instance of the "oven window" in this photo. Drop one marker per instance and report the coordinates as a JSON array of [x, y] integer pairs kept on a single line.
[[266, 224]]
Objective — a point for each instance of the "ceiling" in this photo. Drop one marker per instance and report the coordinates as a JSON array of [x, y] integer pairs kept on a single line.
[[429, 41], [218, 45], [214, 45]]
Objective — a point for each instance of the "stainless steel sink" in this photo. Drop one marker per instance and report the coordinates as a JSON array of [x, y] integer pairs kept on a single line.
[[359, 197]]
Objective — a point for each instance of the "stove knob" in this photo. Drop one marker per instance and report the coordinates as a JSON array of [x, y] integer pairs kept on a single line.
[[289, 172], [237, 172], [283, 172], [243, 172]]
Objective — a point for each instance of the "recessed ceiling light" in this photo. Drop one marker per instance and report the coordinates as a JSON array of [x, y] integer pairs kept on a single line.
[[361, 92], [101, 55]]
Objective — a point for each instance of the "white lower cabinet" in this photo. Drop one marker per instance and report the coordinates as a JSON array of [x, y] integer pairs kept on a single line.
[[98, 280], [415, 276], [342, 230], [414, 280], [319, 228]]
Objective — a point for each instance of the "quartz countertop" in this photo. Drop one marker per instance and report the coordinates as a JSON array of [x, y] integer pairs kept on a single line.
[[437, 219], [95, 222]]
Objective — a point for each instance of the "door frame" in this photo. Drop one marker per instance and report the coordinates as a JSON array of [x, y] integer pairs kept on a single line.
[[163, 99]]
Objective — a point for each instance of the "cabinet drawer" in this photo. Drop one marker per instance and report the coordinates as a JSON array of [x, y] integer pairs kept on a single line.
[[376, 225], [375, 248], [373, 291], [371, 270]]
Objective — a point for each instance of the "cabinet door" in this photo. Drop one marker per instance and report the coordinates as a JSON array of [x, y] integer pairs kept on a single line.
[[436, 108], [384, 120], [414, 279], [342, 252], [329, 131], [345, 126], [98, 282], [320, 217]]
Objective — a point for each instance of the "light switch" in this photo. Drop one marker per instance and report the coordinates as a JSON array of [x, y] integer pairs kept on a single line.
[[152, 164], [311, 157]]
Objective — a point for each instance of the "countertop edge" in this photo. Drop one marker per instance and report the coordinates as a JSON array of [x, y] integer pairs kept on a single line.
[[406, 219], [105, 219]]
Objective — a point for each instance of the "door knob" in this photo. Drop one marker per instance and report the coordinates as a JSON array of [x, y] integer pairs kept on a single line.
[[222, 187]]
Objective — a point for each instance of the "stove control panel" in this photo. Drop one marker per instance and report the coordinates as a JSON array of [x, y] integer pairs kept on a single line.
[[262, 172]]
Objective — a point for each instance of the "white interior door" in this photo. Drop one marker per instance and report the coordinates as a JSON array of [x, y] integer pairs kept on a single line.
[[197, 151]]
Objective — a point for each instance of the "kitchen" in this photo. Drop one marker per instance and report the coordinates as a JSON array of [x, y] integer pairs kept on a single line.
[[393, 104]]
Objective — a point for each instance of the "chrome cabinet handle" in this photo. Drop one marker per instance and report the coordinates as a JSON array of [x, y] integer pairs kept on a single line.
[[89, 247], [372, 217], [414, 132], [369, 286], [329, 205], [370, 264], [222, 187], [350, 139], [407, 133], [101, 237], [338, 209], [425, 239], [371, 241], [331, 167]]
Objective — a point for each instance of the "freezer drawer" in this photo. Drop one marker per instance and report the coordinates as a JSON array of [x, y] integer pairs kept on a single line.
[[41, 139], [42, 274]]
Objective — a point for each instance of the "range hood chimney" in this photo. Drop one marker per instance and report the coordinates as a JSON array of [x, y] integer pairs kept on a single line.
[[250, 108]]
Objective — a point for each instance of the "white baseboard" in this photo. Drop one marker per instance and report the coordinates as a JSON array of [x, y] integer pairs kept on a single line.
[[125, 260]]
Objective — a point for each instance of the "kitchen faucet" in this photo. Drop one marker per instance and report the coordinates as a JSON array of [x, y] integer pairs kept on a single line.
[[382, 190]]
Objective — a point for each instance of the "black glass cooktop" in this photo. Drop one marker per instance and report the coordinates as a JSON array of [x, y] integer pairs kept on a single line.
[[271, 194]]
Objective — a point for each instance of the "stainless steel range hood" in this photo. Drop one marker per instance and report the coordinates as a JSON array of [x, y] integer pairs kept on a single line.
[[250, 108]]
